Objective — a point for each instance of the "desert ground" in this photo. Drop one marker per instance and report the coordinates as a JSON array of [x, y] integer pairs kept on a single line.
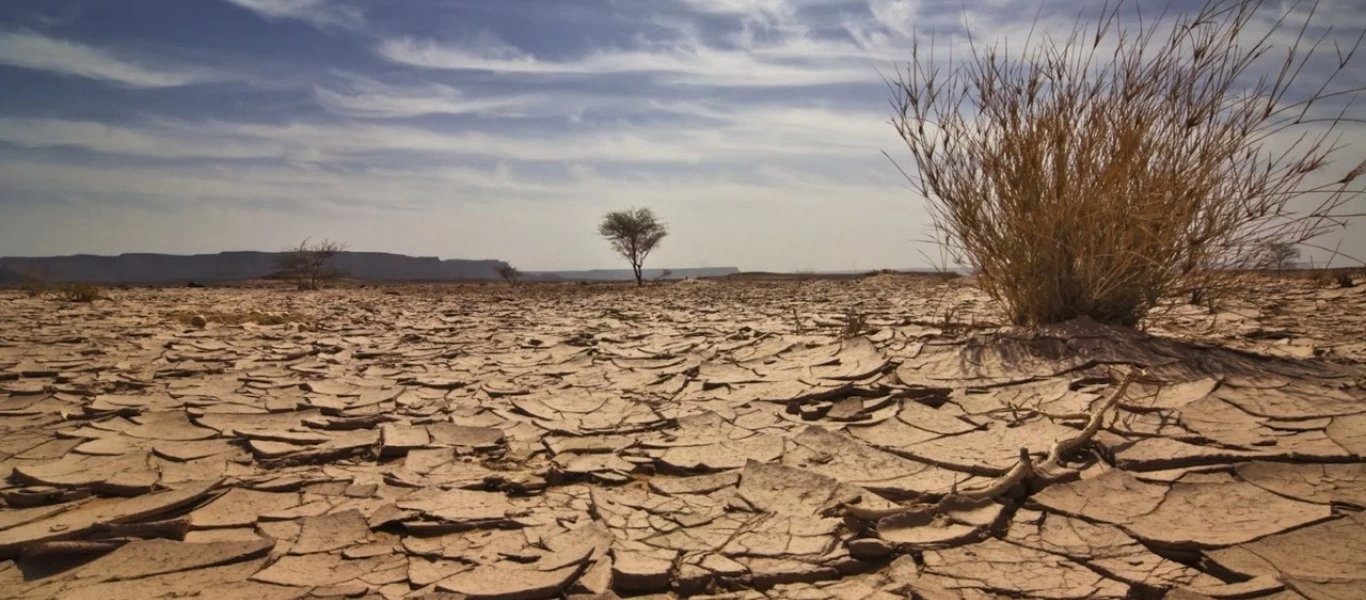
[[883, 437]]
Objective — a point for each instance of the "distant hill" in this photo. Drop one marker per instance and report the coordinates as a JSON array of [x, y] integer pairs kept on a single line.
[[10, 277], [626, 274], [241, 266]]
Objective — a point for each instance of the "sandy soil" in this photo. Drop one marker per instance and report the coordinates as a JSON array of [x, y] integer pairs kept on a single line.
[[874, 438]]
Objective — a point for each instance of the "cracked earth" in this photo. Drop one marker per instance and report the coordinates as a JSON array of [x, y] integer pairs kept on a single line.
[[695, 439]]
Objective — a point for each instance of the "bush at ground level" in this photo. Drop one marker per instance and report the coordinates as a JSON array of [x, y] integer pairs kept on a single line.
[[79, 292], [1094, 175]]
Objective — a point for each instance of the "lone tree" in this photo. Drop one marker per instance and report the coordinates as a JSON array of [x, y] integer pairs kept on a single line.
[[1278, 256], [509, 273], [633, 234], [1095, 173], [309, 265]]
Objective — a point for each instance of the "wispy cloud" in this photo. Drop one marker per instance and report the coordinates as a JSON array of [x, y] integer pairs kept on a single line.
[[741, 7], [715, 135], [127, 140], [896, 15], [792, 62], [323, 14], [367, 98], [365, 188], [765, 13], [30, 50], [768, 44]]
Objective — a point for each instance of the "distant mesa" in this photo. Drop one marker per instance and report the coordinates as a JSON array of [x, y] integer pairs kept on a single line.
[[626, 275], [242, 266]]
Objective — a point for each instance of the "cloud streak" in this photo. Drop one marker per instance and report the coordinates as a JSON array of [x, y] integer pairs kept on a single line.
[[369, 99], [794, 61], [323, 14], [27, 50], [715, 135]]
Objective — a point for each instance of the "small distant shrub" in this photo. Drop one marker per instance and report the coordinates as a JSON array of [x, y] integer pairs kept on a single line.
[[509, 273], [79, 292], [309, 265], [855, 323], [1097, 173], [1277, 255], [1345, 280], [35, 287], [880, 273]]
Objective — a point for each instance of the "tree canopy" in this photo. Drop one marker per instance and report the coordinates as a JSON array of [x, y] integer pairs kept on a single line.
[[633, 233]]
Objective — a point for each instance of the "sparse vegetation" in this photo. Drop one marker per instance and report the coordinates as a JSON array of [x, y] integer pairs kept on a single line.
[[309, 265], [855, 323], [34, 287], [633, 234], [79, 292], [1277, 256], [509, 273], [1095, 175]]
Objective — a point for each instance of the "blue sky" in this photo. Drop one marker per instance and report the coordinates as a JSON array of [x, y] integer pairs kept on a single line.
[[473, 128]]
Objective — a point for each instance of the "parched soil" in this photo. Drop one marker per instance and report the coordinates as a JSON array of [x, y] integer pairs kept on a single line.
[[872, 438]]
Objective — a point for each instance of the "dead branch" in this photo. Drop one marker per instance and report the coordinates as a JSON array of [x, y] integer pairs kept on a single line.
[[1050, 470]]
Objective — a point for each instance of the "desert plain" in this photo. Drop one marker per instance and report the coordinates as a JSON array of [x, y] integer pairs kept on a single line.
[[877, 437]]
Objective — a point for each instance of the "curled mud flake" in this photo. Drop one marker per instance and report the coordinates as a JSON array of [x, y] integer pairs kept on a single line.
[[242, 507], [332, 531], [144, 558], [1349, 432], [997, 566], [1329, 551], [1320, 483], [1221, 514], [86, 517]]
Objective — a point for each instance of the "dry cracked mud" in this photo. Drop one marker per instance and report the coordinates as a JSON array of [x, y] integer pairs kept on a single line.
[[699, 439]]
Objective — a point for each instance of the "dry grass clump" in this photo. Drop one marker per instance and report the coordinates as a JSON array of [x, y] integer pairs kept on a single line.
[[1094, 175], [237, 318], [855, 323], [34, 287], [37, 287], [1345, 280], [78, 292], [1339, 278]]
